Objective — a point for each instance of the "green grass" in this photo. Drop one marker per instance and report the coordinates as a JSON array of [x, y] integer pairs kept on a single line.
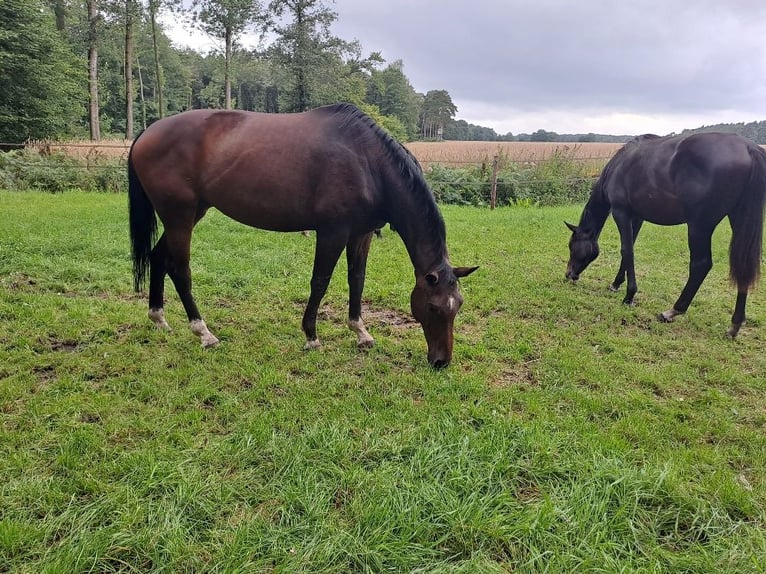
[[570, 434]]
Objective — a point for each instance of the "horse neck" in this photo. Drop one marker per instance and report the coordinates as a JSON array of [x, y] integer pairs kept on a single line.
[[420, 225], [596, 210]]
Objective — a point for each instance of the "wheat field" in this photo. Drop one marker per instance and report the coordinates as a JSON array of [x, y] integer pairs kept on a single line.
[[451, 153]]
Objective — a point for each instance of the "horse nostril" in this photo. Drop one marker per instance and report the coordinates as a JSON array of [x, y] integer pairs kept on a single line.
[[439, 364]]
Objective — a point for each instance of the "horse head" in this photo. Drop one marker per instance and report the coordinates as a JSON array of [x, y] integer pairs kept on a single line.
[[435, 301], [583, 250]]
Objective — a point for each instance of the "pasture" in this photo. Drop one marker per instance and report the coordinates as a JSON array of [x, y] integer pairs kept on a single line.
[[570, 433]]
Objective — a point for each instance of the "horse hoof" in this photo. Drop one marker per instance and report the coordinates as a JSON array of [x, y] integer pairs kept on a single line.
[[315, 344], [665, 318], [366, 343], [209, 341], [614, 288], [733, 331]]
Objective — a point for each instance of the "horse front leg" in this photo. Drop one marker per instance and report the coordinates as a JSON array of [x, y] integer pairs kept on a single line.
[[329, 246], [620, 277], [700, 263], [625, 227], [356, 255]]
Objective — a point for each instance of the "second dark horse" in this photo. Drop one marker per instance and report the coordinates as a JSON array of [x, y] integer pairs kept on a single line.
[[698, 180], [331, 169]]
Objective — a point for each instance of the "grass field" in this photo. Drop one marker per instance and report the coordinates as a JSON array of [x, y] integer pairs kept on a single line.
[[570, 434]]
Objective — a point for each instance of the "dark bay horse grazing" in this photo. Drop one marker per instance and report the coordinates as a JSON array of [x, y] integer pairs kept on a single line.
[[331, 169], [698, 180]]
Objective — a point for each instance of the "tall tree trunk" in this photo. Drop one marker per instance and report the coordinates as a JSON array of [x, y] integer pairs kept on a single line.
[[227, 70], [95, 130], [59, 9], [129, 69], [157, 67], [301, 59], [141, 94]]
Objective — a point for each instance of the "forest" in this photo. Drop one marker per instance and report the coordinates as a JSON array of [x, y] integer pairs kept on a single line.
[[106, 68], [98, 69]]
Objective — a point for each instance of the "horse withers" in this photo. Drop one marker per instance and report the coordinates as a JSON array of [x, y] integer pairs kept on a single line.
[[332, 170], [695, 179]]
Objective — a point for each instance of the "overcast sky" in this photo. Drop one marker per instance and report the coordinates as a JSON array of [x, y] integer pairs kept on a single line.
[[575, 66]]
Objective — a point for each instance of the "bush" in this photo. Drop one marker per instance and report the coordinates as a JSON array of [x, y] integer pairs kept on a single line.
[[559, 180], [22, 170]]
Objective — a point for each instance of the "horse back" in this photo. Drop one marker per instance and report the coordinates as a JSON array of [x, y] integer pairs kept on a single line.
[[671, 180], [284, 172]]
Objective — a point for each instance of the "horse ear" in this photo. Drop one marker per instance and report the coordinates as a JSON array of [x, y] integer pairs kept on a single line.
[[572, 228], [464, 271]]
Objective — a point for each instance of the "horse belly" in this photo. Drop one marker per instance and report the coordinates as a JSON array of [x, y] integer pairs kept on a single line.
[[660, 208], [272, 216]]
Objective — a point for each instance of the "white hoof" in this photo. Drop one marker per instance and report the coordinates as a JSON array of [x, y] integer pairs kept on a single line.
[[158, 318], [315, 344], [363, 339], [206, 338]]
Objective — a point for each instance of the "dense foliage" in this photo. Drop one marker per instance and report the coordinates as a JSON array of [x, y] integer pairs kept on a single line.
[[43, 89], [46, 47]]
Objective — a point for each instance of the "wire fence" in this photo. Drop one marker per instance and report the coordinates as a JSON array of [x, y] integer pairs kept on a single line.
[[57, 166]]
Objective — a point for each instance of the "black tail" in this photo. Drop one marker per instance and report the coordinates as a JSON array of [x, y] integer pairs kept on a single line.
[[143, 224], [747, 233]]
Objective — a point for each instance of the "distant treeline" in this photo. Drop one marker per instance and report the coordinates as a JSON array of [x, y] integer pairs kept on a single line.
[[460, 130]]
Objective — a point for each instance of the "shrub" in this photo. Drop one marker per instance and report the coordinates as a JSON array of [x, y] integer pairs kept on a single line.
[[24, 169], [560, 180]]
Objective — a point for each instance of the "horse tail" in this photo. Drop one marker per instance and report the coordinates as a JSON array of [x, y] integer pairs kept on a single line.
[[143, 223], [747, 233]]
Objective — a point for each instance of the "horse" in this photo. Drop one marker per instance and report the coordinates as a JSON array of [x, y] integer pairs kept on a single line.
[[694, 179], [331, 169]]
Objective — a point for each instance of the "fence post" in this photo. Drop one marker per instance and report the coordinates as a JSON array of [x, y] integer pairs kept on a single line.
[[493, 191]]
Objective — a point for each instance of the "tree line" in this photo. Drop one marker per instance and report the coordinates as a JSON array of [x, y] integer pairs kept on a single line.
[[92, 68], [98, 68]]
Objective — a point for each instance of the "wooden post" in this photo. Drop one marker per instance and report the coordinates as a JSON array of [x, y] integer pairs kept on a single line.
[[493, 191]]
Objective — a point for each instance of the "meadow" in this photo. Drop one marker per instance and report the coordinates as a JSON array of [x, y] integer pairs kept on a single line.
[[570, 433]]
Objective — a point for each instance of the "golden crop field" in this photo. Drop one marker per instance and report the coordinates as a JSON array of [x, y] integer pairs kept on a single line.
[[452, 153], [455, 153], [85, 149]]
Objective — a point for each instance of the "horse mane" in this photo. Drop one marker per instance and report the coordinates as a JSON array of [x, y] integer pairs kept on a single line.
[[406, 164]]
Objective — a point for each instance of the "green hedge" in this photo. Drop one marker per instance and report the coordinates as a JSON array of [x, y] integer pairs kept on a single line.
[[24, 170], [559, 180]]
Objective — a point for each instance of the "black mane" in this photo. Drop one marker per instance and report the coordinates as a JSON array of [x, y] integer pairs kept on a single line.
[[406, 163]]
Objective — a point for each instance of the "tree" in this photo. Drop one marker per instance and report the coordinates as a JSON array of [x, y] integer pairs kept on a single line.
[[131, 9], [437, 110], [306, 48], [227, 20], [42, 93], [391, 91], [93, 116]]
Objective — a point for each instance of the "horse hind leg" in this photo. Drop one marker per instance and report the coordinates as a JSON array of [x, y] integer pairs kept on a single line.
[[157, 272], [356, 255], [738, 318], [700, 263], [178, 241]]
